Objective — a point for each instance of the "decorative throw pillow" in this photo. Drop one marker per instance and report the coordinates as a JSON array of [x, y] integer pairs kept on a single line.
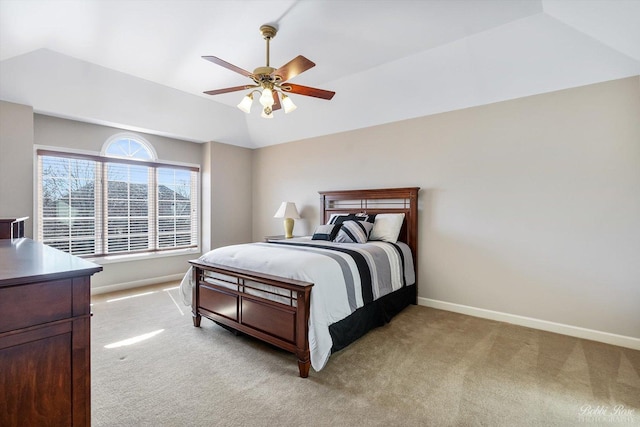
[[366, 217], [387, 227], [354, 232], [325, 232], [340, 218]]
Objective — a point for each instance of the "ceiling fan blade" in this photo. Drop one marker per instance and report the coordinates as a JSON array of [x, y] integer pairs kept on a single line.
[[227, 65], [308, 91], [276, 101], [228, 89], [297, 65]]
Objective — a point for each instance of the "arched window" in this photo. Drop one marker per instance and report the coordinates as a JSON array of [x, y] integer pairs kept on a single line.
[[128, 146]]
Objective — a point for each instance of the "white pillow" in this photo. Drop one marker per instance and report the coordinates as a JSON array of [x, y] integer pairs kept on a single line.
[[387, 227]]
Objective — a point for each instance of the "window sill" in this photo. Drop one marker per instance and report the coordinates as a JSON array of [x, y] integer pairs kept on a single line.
[[112, 259]]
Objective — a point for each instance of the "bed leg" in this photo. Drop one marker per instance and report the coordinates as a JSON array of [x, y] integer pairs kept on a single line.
[[195, 296], [303, 367], [302, 333], [196, 320]]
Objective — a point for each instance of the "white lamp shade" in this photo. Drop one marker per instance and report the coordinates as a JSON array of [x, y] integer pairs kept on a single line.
[[287, 210], [266, 99], [245, 104], [288, 104]]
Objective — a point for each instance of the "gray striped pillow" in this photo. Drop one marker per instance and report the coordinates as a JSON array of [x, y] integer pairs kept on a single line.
[[354, 232]]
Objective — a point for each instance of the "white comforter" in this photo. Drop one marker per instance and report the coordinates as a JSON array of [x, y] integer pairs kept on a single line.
[[337, 291]]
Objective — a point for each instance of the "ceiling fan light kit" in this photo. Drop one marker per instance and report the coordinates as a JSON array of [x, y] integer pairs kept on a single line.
[[270, 83]]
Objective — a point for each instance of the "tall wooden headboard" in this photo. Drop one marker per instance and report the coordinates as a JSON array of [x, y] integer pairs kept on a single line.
[[375, 201]]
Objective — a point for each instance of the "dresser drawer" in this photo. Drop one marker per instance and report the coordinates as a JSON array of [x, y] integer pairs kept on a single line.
[[27, 305]]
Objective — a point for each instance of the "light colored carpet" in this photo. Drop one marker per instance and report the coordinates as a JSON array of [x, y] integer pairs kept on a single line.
[[426, 368]]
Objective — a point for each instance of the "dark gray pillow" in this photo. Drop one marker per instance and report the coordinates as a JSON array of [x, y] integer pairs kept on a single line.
[[340, 218], [325, 232]]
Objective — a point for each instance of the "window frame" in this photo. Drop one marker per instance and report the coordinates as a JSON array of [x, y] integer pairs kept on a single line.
[[129, 136], [155, 250]]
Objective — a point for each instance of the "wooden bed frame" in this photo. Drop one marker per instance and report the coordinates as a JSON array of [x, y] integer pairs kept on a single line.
[[235, 298]]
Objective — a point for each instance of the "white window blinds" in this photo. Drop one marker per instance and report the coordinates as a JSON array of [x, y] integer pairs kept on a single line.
[[92, 205]]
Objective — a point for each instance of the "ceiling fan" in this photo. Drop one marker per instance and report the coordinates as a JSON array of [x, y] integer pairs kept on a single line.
[[271, 83]]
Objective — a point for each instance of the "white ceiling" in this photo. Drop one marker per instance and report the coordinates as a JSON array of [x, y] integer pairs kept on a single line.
[[137, 64]]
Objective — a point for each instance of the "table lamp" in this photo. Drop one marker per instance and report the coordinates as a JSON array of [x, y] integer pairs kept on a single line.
[[289, 212]]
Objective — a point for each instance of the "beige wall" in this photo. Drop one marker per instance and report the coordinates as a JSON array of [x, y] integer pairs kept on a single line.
[[227, 191], [57, 132], [529, 207], [16, 164]]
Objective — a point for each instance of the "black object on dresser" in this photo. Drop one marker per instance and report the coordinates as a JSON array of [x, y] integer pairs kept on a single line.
[[12, 228]]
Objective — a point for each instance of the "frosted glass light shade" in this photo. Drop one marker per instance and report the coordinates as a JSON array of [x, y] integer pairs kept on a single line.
[[288, 104], [266, 99], [245, 104]]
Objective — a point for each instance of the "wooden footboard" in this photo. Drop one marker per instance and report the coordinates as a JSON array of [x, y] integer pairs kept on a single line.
[[272, 309]]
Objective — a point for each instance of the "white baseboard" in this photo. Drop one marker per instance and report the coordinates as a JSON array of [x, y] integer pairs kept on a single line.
[[136, 284], [529, 322]]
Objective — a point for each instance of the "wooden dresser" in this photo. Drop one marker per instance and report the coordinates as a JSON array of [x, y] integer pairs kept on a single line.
[[45, 371]]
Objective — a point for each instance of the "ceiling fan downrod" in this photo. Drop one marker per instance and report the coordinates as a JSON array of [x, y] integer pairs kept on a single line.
[[268, 32]]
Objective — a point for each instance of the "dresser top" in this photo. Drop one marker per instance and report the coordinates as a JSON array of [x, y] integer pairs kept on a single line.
[[26, 261]]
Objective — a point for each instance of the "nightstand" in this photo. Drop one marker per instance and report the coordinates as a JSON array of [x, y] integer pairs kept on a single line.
[[277, 237]]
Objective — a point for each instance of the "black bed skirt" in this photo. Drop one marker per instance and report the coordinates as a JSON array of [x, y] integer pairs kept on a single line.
[[373, 315]]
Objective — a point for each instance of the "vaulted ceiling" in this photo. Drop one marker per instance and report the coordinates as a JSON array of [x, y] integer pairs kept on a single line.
[[137, 64]]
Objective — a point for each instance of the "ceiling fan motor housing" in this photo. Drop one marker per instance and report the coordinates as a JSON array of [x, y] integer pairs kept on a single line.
[[263, 71]]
